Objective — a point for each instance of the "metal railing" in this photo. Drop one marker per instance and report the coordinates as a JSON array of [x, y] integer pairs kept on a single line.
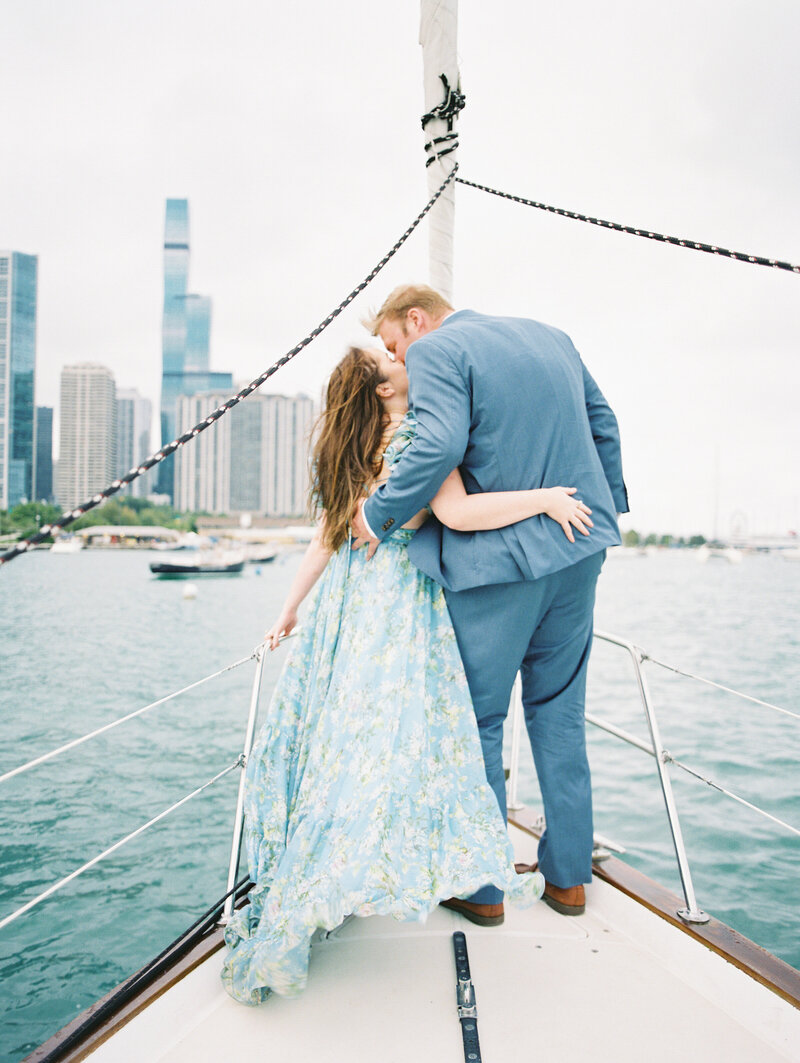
[[691, 913], [55, 887], [238, 822], [240, 762]]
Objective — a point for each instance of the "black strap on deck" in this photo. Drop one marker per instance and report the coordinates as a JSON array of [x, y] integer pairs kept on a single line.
[[465, 1000]]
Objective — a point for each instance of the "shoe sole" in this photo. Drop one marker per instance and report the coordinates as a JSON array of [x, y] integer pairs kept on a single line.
[[563, 909], [474, 917]]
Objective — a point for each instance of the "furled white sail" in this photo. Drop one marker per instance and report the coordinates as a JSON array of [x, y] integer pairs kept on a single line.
[[438, 37]]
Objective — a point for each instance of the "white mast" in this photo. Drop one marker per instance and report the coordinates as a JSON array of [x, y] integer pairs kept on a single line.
[[438, 36]]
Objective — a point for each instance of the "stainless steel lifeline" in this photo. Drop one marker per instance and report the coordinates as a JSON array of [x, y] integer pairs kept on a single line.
[[238, 823], [512, 801], [691, 913]]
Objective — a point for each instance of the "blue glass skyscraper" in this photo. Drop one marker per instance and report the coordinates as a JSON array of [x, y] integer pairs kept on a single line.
[[186, 334], [43, 485], [18, 278]]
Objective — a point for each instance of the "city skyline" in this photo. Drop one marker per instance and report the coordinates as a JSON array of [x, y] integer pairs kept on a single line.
[[300, 178], [43, 484], [134, 441], [18, 300], [185, 336], [255, 462], [87, 433]]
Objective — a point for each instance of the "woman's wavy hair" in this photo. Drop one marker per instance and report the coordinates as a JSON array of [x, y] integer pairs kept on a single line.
[[346, 457]]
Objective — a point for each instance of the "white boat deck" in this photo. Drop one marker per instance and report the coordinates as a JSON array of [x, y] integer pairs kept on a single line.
[[618, 983]]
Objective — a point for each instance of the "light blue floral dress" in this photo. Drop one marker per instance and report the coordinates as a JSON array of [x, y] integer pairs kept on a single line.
[[366, 791]]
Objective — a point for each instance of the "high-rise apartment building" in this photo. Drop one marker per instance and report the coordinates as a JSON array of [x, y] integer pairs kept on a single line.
[[87, 460], [282, 459], [186, 331], [134, 414], [202, 467], [254, 459], [43, 483], [18, 284]]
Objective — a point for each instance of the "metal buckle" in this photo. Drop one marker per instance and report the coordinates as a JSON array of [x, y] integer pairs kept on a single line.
[[465, 999]]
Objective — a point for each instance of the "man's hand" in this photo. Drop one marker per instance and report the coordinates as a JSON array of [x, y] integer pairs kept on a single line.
[[361, 534]]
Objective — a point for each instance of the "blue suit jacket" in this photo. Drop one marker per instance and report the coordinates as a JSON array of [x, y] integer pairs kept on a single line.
[[510, 402]]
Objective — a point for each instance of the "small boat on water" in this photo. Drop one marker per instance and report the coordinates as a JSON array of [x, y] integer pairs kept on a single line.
[[199, 564], [67, 544], [259, 555], [730, 554]]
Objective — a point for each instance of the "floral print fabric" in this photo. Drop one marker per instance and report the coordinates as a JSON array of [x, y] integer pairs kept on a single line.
[[366, 792]]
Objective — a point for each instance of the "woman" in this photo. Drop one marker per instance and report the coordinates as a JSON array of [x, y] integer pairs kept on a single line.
[[366, 792]]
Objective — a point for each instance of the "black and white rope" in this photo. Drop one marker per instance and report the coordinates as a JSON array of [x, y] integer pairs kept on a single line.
[[454, 101], [67, 518], [694, 245]]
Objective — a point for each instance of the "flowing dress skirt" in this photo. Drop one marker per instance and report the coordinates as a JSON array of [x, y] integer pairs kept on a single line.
[[366, 790]]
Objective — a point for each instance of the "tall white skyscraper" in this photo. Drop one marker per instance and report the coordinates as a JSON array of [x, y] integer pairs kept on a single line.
[[254, 460], [134, 414], [18, 289], [87, 452], [202, 467]]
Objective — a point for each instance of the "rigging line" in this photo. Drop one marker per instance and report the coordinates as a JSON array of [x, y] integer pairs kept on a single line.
[[694, 245], [728, 793], [122, 719], [117, 845], [68, 517], [146, 976], [719, 686]]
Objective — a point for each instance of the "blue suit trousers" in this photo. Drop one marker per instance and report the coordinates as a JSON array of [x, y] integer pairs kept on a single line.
[[543, 628]]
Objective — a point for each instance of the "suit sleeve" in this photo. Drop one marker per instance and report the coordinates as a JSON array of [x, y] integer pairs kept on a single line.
[[605, 432], [440, 398]]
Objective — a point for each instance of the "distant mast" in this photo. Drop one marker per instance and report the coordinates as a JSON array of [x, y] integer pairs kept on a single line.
[[438, 36]]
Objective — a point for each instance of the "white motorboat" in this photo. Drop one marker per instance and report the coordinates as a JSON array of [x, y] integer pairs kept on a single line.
[[67, 544]]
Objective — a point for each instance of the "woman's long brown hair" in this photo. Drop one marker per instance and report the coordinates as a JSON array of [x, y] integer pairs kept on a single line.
[[346, 454]]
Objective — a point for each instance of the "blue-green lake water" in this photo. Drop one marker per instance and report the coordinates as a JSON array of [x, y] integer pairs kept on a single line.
[[89, 637]]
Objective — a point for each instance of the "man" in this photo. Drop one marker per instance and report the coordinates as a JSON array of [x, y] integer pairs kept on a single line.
[[509, 401]]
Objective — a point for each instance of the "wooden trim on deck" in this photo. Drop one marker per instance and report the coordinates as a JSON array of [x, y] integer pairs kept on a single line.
[[127, 1011], [720, 938], [761, 965]]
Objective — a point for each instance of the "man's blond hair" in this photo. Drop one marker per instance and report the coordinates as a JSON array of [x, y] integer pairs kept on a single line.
[[405, 298]]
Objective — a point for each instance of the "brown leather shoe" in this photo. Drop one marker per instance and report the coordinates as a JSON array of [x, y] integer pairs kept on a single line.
[[480, 914], [571, 901], [523, 869]]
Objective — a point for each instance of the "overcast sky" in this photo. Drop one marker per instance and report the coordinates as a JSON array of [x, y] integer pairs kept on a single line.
[[293, 130]]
